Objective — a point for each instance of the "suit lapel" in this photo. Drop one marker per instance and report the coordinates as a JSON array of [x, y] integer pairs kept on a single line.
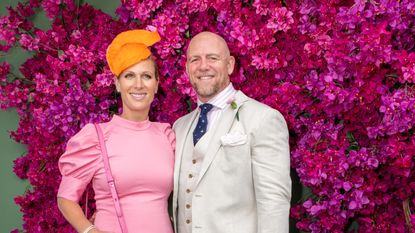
[[223, 125], [183, 133]]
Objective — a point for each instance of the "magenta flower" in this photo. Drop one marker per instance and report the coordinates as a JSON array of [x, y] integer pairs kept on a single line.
[[281, 20]]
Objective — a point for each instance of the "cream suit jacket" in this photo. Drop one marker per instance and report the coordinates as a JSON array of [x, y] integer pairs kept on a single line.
[[244, 184]]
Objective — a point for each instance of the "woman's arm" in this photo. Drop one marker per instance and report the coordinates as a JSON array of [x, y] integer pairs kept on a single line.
[[75, 216]]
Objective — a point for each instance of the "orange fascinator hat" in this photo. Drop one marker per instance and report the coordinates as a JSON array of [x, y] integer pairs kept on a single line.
[[129, 48]]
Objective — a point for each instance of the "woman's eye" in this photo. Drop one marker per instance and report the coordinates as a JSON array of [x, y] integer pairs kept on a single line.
[[129, 76], [146, 76]]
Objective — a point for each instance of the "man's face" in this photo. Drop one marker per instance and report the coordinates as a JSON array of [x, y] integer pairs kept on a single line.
[[208, 65]]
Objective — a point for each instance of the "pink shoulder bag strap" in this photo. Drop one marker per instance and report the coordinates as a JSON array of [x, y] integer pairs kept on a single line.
[[110, 179]]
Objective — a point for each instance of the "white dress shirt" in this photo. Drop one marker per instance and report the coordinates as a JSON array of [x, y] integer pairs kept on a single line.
[[220, 103]]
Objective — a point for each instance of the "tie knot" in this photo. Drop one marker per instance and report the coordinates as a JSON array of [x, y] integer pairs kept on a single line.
[[205, 108]]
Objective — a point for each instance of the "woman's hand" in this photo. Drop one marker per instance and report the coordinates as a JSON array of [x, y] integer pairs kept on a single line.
[[98, 231], [74, 214]]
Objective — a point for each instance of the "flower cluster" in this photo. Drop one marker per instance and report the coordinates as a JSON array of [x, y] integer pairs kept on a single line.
[[341, 72]]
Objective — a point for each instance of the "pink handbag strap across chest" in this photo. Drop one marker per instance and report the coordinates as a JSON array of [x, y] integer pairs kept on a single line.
[[110, 180]]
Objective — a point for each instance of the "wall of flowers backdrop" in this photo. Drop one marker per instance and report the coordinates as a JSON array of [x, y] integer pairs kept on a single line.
[[342, 72]]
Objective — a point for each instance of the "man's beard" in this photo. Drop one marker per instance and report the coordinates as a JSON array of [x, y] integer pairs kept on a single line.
[[207, 92]]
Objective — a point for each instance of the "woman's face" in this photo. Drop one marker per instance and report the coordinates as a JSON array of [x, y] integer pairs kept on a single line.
[[137, 86]]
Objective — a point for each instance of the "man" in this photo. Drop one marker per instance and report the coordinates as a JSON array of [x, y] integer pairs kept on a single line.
[[232, 169]]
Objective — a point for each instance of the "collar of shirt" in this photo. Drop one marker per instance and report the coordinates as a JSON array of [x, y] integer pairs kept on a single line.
[[221, 100]]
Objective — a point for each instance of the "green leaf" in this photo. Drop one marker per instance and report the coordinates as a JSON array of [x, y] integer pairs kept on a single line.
[[187, 34], [60, 52], [350, 137], [189, 105], [353, 146]]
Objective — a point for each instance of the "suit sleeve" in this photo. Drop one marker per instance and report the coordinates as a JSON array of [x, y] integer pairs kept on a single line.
[[271, 173]]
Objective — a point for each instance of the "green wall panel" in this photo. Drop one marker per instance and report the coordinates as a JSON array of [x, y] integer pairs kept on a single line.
[[11, 185]]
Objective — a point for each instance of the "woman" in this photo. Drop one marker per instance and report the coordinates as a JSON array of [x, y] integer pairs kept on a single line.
[[140, 152]]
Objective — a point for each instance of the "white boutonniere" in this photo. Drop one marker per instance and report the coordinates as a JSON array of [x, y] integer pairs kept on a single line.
[[234, 106]]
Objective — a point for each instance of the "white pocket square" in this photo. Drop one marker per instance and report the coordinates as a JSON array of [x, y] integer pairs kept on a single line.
[[233, 139]]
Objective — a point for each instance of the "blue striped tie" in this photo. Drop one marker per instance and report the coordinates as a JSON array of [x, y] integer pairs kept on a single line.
[[202, 123]]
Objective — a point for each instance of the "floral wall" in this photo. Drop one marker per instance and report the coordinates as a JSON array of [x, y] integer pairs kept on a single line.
[[342, 72]]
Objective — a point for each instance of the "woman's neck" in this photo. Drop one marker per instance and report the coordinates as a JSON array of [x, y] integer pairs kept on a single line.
[[137, 117]]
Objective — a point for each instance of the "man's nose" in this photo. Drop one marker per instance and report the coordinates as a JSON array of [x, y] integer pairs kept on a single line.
[[204, 64]]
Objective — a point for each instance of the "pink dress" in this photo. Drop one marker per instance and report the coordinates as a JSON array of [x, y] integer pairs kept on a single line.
[[141, 156]]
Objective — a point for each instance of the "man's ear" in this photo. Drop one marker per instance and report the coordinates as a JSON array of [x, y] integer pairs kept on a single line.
[[231, 64], [187, 69]]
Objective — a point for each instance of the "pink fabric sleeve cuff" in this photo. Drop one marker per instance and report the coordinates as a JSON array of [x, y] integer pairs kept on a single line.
[[71, 188]]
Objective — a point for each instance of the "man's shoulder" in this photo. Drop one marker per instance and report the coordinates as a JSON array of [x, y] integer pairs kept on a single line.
[[183, 119], [256, 109], [253, 104]]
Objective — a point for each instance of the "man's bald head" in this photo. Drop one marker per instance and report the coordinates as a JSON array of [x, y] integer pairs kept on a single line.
[[209, 64], [209, 36]]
